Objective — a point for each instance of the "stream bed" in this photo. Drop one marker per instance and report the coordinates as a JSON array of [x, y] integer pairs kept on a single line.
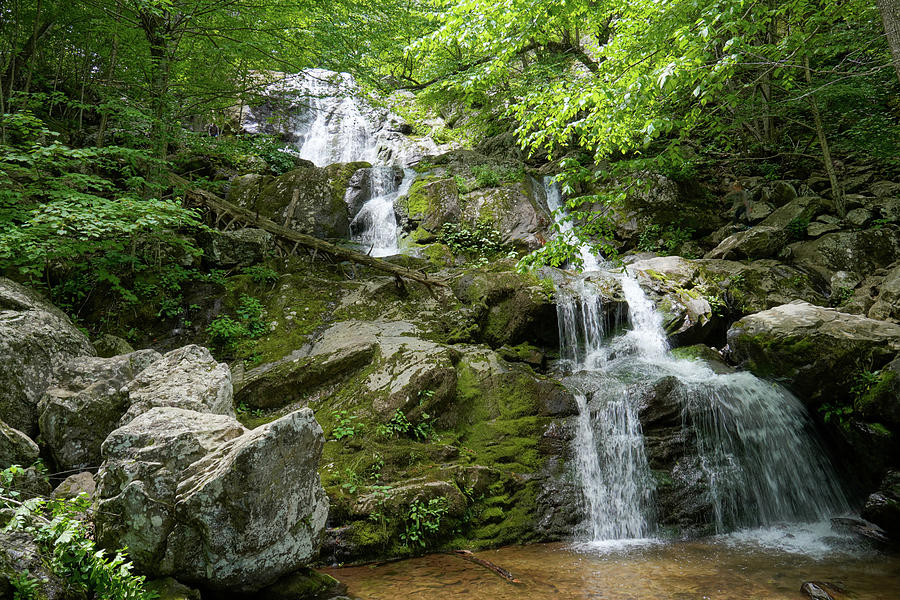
[[769, 564]]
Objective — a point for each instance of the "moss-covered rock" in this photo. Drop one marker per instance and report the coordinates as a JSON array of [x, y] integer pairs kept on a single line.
[[512, 307], [309, 199], [815, 351]]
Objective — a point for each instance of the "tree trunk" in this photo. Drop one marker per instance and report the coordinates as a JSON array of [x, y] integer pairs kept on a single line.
[[837, 193], [890, 14], [248, 217], [156, 30]]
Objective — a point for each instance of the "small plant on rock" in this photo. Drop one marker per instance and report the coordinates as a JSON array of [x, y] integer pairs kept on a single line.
[[423, 520], [343, 427]]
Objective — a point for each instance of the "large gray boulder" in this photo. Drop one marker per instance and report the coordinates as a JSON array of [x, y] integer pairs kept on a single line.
[[309, 200], [198, 497], [757, 242], [16, 448], [188, 378], [86, 404], [36, 338], [859, 252], [815, 351], [513, 210], [238, 248]]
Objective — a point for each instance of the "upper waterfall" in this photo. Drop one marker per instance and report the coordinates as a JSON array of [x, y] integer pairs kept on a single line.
[[330, 119]]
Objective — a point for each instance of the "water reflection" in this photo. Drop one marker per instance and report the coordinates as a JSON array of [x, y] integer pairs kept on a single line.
[[737, 567]]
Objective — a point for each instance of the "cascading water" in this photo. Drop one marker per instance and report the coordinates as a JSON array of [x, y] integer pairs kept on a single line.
[[754, 439], [376, 222], [330, 120]]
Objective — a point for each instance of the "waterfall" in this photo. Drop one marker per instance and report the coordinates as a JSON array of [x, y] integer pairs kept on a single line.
[[375, 226], [754, 439]]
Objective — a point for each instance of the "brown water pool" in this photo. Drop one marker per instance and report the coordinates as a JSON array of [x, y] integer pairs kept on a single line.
[[765, 566]]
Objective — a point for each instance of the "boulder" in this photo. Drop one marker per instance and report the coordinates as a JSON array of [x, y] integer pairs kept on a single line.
[[859, 217], [36, 338], [197, 497], [237, 248], [75, 485], [671, 281], [86, 404], [429, 204], [188, 378], [757, 242], [799, 210], [883, 506], [511, 308], [887, 303], [20, 553], [301, 373], [309, 200], [860, 252], [513, 210], [819, 229], [814, 350], [16, 448], [108, 345]]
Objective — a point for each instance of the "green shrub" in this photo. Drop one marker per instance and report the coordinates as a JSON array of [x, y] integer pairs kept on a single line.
[[227, 333], [423, 521], [68, 544]]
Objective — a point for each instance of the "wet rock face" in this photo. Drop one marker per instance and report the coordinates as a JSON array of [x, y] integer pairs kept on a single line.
[[883, 506], [198, 497], [681, 484], [36, 339], [814, 350]]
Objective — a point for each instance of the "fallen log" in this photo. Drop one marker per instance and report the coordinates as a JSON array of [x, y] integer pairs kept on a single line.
[[467, 555], [250, 218]]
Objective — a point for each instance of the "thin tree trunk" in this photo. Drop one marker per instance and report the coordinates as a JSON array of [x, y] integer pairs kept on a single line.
[[104, 113], [890, 15], [836, 193]]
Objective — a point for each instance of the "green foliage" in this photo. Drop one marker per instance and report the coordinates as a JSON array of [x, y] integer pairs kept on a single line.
[[400, 425], [654, 238], [485, 176], [480, 242], [261, 274], [797, 227], [863, 383], [228, 333], [241, 153], [343, 427], [841, 296], [79, 214], [423, 521], [66, 541]]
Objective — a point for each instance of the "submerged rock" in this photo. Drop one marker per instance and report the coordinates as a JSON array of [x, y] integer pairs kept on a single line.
[[36, 339], [198, 497]]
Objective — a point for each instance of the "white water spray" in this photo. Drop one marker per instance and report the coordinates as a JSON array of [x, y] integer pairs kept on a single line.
[[753, 438], [376, 221]]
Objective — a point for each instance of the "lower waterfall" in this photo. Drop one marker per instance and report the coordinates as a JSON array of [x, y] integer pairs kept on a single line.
[[757, 450]]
